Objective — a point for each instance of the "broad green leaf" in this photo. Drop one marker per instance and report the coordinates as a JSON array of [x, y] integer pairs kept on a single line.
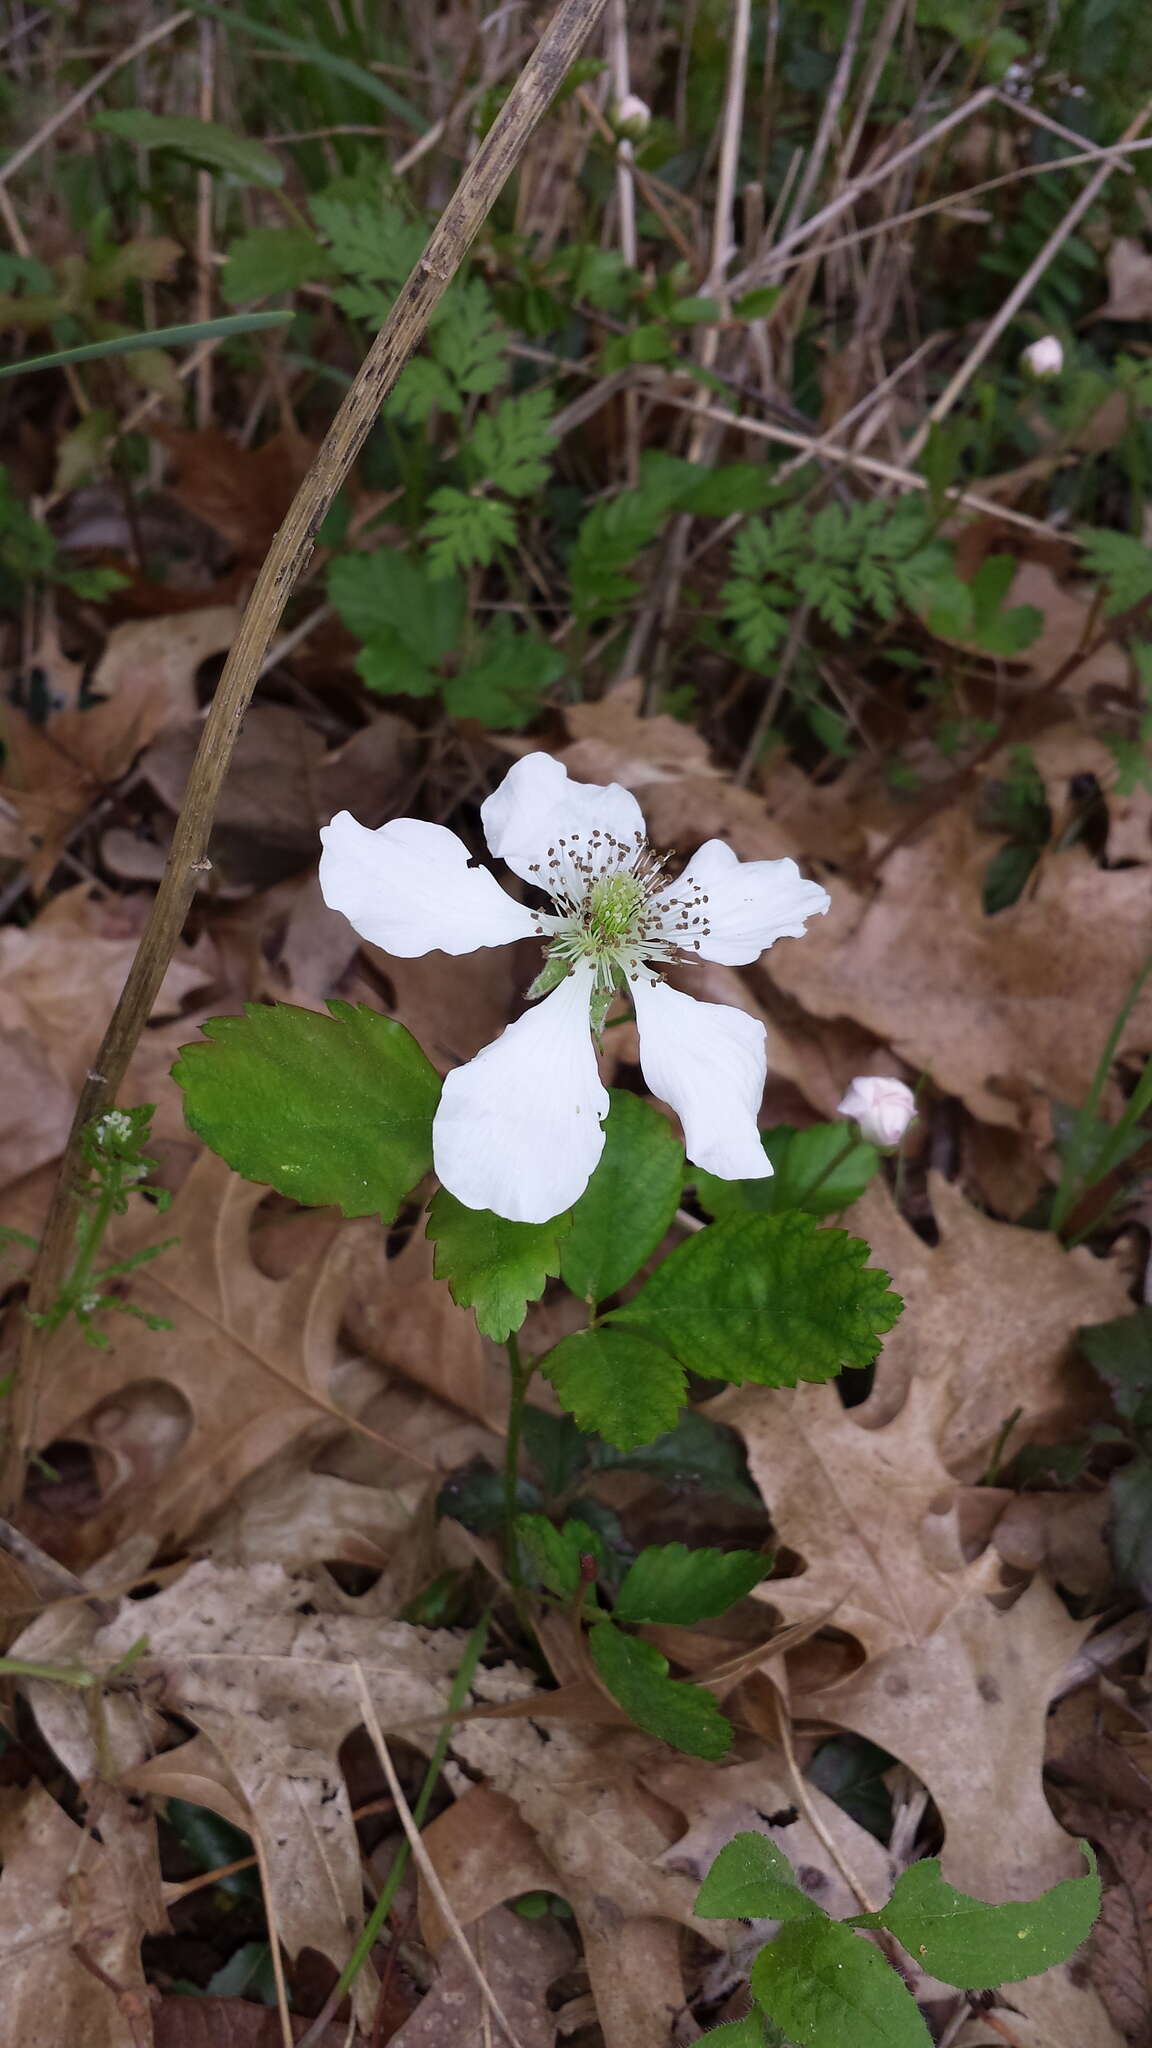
[[155, 338], [629, 1202], [617, 1383], [272, 260], [492, 1265], [752, 1879], [388, 593], [674, 1584], [772, 1299], [556, 1447], [475, 1496], [820, 1170], [850, 1769], [212, 1842], [698, 1452], [556, 1553], [325, 1109], [826, 1988], [199, 142], [390, 668], [965, 1942], [676, 1712], [506, 678]]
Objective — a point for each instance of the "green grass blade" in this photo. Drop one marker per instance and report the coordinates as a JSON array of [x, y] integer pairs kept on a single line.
[[160, 337], [324, 60]]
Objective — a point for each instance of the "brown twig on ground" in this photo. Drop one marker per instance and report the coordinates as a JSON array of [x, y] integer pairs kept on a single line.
[[291, 549]]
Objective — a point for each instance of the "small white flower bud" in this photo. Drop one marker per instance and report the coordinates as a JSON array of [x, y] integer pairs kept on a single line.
[[631, 117], [881, 1107], [1043, 358]]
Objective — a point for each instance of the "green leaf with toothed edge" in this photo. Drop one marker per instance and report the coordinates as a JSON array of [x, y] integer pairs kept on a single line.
[[827, 1988], [325, 1109], [752, 1879], [629, 1203], [970, 1944], [617, 1383], [676, 1711], [492, 1265]]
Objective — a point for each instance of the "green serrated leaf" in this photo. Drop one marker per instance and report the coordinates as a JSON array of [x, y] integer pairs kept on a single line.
[[974, 1946], [199, 142], [826, 1988], [636, 1675], [510, 446], [491, 1265], [557, 1554], [1121, 1351], [387, 593], [504, 683], [772, 1299], [617, 1383], [465, 532], [325, 1109], [817, 1170], [629, 1203], [271, 260], [749, 2033], [670, 1583], [752, 1879]]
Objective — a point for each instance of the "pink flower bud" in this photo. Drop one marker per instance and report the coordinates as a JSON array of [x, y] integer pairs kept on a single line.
[[631, 117], [1043, 358], [881, 1107]]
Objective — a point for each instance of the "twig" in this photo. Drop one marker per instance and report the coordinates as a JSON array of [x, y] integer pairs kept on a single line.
[[807, 1805], [80, 99], [837, 93], [771, 703], [766, 265], [427, 1868], [287, 557], [204, 189], [868, 465], [1020, 292]]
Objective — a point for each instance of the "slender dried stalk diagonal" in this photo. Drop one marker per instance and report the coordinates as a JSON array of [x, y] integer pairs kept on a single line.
[[287, 557]]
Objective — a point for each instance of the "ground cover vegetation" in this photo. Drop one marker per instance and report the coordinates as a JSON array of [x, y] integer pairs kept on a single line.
[[718, 1610]]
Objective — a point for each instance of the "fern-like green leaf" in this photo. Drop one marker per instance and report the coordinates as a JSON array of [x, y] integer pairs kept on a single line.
[[509, 446], [466, 532]]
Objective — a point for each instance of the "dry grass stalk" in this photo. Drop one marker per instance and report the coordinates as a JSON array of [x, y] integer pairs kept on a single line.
[[288, 556]]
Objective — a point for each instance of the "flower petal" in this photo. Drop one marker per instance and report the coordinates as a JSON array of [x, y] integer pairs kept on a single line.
[[709, 1062], [536, 814], [746, 905], [409, 888], [518, 1129]]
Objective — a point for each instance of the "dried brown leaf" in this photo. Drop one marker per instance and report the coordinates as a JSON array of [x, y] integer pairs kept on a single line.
[[1129, 281], [519, 1958]]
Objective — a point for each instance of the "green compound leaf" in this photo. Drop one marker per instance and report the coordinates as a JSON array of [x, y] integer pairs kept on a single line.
[[817, 1170], [752, 1879], [826, 1988], [325, 1109], [491, 1265], [617, 1383], [388, 597], [556, 1553], [772, 1299], [629, 1202], [199, 142], [505, 680], [671, 1583], [964, 1942], [636, 1675]]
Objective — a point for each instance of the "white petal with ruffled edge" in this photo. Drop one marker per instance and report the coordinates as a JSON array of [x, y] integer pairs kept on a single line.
[[747, 904], [409, 888], [518, 1129], [537, 805], [708, 1061]]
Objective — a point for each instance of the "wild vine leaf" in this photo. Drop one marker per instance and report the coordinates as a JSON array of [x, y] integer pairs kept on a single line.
[[752, 1879], [617, 1383], [965, 1942]]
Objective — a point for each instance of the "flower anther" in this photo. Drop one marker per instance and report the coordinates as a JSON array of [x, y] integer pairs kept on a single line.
[[519, 1128]]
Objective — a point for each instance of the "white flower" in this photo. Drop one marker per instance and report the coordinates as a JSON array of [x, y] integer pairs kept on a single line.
[[632, 117], [1043, 358], [518, 1129], [881, 1107]]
